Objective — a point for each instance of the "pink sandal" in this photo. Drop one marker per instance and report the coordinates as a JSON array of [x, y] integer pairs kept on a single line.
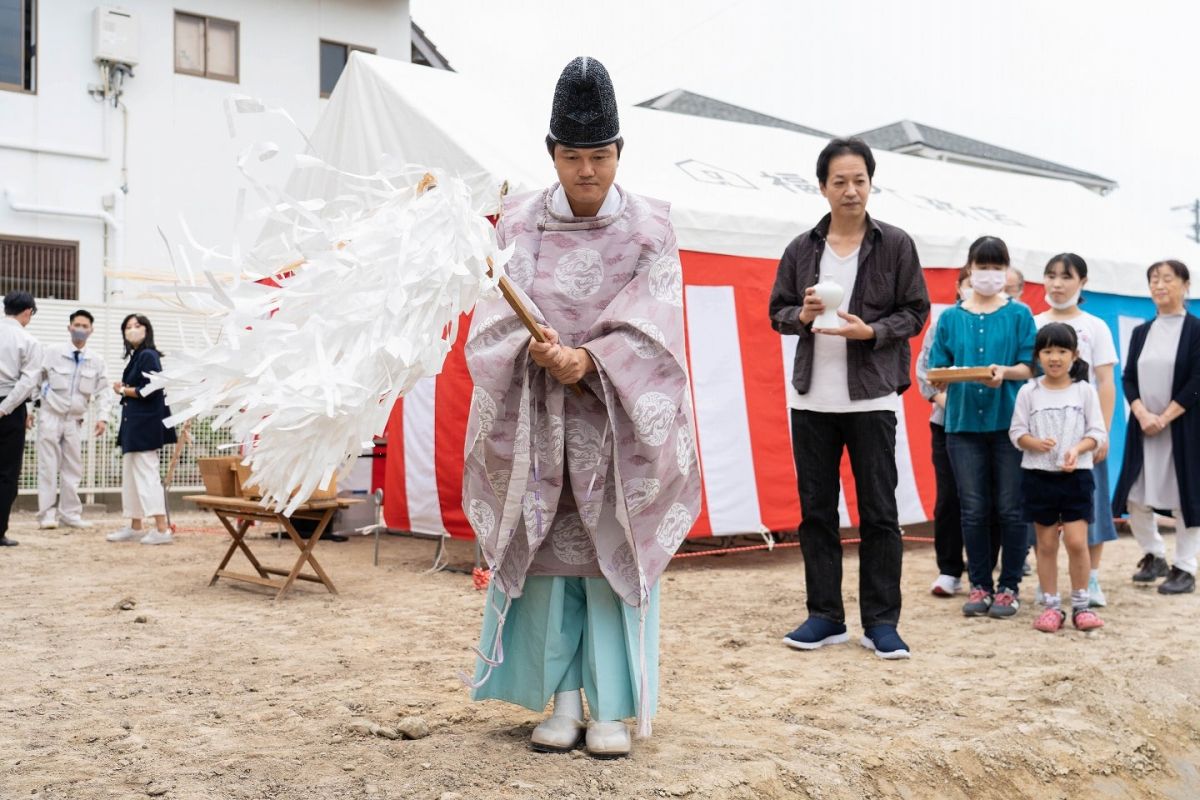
[[1050, 621], [1086, 620]]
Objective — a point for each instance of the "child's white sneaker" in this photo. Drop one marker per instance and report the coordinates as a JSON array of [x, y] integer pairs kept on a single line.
[[123, 535], [946, 586], [157, 537]]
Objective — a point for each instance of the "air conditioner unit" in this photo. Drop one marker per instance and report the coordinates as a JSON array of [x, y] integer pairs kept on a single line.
[[114, 35]]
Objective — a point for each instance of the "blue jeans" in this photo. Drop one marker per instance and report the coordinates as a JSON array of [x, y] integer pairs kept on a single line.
[[987, 469]]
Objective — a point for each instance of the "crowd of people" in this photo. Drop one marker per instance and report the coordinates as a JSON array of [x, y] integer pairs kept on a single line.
[[61, 382], [1018, 450]]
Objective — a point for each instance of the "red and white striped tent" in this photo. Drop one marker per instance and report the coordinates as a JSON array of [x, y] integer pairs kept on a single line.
[[739, 194]]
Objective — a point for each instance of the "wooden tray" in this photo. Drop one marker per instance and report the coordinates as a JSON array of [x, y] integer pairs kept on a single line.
[[958, 374]]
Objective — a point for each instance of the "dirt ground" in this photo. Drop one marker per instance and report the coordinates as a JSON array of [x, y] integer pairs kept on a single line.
[[220, 692]]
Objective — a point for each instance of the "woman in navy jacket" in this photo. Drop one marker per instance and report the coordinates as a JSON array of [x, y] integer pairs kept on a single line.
[[141, 435], [1161, 468]]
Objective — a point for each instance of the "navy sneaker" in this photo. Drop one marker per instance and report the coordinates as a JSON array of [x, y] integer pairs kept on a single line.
[[816, 632], [884, 640]]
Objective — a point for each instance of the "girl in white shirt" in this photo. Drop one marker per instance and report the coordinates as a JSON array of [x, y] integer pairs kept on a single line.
[[1057, 423]]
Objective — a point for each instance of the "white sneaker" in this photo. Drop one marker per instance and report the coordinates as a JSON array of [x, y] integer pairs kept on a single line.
[[75, 522], [157, 537], [1096, 598], [561, 731], [47, 524], [946, 586], [607, 739], [123, 535]]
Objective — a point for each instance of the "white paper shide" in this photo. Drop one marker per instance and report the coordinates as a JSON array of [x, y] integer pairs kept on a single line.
[[362, 296]]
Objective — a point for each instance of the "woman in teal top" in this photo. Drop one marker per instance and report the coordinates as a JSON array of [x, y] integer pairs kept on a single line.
[[988, 329]]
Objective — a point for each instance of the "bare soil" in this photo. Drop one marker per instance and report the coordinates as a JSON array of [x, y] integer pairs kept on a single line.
[[220, 692]]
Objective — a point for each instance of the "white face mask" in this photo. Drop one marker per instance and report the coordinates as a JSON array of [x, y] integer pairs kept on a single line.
[[135, 336], [1070, 302], [987, 282]]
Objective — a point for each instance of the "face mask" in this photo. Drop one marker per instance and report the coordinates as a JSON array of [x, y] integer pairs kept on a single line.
[[1068, 303], [135, 336], [987, 282], [78, 337]]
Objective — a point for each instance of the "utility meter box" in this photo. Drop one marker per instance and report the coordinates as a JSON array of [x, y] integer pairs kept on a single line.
[[114, 35]]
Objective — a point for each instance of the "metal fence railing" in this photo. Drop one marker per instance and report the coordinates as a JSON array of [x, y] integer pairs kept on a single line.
[[174, 331], [102, 458]]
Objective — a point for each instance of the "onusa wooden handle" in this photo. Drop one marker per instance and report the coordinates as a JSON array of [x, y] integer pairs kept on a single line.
[[531, 324]]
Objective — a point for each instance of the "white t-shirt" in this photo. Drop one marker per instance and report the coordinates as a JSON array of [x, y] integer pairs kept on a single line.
[[1096, 345], [829, 389], [1065, 415]]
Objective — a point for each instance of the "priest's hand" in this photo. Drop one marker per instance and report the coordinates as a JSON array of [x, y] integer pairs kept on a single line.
[[544, 354], [572, 365], [565, 364]]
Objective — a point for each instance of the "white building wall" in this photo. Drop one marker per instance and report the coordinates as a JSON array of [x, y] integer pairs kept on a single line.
[[180, 155]]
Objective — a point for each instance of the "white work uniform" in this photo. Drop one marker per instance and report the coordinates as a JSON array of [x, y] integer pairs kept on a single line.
[[69, 383]]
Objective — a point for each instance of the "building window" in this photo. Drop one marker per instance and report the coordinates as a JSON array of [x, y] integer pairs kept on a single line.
[[334, 56], [43, 267], [206, 47], [18, 45]]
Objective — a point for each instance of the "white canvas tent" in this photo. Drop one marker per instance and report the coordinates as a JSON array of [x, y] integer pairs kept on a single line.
[[739, 194], [735, 189]]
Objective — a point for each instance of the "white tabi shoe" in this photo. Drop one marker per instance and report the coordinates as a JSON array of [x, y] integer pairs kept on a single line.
[[608, 739], [562, 730]]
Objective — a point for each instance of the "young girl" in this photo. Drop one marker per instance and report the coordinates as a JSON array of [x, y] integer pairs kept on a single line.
[[1065, 276], [1058, 424], [989, 329]]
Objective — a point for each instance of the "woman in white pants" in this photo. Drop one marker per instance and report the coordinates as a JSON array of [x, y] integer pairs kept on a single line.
[[1161, 467], [141, 435]]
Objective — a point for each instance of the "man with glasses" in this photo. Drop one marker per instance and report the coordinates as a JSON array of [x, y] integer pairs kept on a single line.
[[20, 367]]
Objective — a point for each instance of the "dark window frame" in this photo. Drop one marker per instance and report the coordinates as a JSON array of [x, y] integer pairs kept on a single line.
[[29, 42], [350, 48], [39, 283], [237, 48]]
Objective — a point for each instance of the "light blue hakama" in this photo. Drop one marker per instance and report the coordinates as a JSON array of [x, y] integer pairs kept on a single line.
[[567, 633]]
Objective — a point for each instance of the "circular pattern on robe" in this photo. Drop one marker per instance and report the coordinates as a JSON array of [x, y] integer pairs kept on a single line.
[[684, 451], [673, 528], [487, 333], [571, 542], [499, 480], [589, 512], [483, 519], [531, 504], [623, 561], [583, 446], [652, 341], [548, 440], [652, 415], [666, 281], [520, 268], [579, 273], [485, 409], [640, 492]]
